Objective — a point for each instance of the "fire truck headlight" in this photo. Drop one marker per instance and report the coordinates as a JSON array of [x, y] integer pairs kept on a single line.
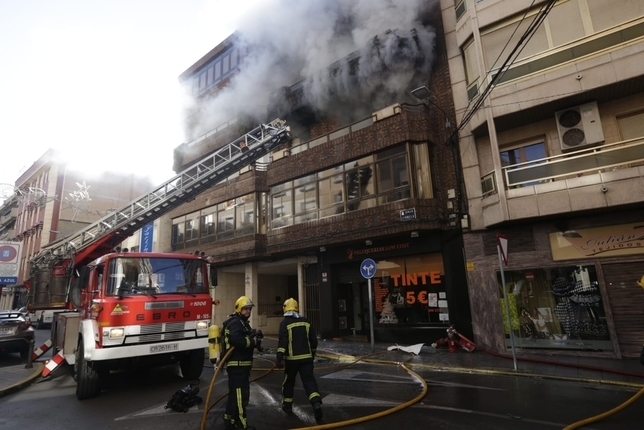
[[203, 325], [117, 333]]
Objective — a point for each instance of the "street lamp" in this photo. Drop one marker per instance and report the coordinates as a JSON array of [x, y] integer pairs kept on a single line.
[[423, 94]]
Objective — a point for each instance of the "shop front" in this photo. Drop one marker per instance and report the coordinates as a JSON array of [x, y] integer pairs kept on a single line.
[[586, 298], [417, 292]]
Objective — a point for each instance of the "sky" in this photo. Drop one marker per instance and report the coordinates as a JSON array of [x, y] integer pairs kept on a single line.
[[98, 81]]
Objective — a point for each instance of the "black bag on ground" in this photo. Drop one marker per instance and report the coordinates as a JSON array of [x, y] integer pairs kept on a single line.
[[185, 398]]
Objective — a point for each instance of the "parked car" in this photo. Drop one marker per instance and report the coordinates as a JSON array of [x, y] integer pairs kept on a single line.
[[16, 333], [29, 316]]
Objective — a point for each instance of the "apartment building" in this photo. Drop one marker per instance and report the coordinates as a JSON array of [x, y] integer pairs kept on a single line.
[[55, 201], [8, 212], [379, 181], [553, 160]]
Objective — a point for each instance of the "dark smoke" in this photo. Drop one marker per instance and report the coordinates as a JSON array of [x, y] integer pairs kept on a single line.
[[346, 57]]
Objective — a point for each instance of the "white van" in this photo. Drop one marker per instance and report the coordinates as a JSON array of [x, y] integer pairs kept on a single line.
[[43, 318]]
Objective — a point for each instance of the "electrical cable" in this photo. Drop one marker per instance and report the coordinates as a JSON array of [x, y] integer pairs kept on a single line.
[[527, 35], [505, 46]]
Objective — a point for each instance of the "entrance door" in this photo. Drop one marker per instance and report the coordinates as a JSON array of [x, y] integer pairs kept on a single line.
[[345, 308]]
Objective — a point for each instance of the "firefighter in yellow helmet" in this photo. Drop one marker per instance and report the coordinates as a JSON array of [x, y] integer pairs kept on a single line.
[[295, 353], [239, 335]]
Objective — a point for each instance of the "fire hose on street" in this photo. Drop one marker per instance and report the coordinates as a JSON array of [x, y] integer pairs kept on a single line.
[[455, 339], [208, 406]]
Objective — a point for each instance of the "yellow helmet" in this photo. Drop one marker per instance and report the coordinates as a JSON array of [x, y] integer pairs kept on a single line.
[[243, 302], [641, 282], [290, 305]]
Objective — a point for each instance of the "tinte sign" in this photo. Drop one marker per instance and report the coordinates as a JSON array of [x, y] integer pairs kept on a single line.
[[610, 241]]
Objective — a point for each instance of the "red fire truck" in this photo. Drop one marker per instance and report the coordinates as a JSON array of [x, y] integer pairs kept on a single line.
[[137, 308]]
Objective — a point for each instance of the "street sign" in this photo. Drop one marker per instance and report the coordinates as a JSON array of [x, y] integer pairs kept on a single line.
[[368, 268], [147, 232], [502, 241], [9, 259], [408, 214]]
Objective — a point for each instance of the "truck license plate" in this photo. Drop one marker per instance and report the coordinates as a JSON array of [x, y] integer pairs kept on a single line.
[[164, 348], [7, 330]]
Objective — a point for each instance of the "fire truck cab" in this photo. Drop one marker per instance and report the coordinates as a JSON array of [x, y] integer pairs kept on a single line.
[[140, 310]]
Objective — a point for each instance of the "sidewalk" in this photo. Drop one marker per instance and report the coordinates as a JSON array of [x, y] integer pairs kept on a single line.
[[13, 378], [625, 372]]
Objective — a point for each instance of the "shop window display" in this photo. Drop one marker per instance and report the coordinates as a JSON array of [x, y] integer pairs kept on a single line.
[[410, 290], [555, 308]]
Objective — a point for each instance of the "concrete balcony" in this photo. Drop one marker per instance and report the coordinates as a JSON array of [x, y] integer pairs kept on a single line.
[[611, 175]]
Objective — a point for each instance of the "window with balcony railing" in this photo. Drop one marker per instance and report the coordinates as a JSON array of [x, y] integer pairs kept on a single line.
[[624, 154], [573, 29], [524, 155]]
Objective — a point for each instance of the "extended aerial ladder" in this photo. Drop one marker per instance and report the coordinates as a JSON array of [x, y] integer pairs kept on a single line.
[[102, 236]]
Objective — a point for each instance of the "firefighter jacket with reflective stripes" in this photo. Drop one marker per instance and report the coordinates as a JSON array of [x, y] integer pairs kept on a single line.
[[237, 333], [297, 338]]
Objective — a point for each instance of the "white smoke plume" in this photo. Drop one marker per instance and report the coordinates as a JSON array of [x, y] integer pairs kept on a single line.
[[350, 57]]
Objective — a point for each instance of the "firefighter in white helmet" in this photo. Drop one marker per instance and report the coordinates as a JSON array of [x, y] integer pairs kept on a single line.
[[239, 334], [295, 353]]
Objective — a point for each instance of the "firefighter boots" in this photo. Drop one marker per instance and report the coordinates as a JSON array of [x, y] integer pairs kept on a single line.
[[288, 408], [229, 423], [317, 410]]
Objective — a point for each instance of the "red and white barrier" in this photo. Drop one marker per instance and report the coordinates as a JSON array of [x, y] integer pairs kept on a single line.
[[56, 360], [41, 350]]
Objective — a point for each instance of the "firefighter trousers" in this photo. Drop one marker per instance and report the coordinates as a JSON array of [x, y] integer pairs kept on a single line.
[[238, 394], [305, 369]]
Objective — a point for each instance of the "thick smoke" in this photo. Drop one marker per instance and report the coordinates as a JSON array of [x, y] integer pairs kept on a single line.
[[349, 57]]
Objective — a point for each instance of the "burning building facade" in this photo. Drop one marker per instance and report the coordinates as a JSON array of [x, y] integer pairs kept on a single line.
[[371, 173]]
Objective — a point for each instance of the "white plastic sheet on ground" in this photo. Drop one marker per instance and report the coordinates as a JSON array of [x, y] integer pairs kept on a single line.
[[413, 349]]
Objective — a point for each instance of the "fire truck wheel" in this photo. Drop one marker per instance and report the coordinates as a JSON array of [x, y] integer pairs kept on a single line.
[[87, 378], [192, 364]]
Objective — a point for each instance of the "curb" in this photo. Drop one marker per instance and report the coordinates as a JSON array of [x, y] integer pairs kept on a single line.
[[37, 372]]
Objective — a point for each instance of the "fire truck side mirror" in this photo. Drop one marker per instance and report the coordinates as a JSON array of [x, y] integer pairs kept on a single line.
[[213, 275]]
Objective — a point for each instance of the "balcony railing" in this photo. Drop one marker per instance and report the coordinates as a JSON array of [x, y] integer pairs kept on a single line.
[[611, 156], [333, 135]]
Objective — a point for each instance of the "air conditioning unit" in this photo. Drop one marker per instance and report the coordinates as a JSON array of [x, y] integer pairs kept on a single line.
[[579, 127], [245, 169], [276, 155]]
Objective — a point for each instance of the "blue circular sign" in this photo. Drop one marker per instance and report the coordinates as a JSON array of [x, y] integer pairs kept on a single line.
[[368, 268], [7, 253]]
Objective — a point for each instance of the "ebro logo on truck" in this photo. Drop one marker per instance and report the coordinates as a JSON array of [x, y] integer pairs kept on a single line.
[[185, 315]]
